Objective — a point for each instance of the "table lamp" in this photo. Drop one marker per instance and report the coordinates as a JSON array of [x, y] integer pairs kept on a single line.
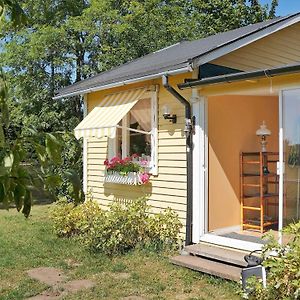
[[263, 131]]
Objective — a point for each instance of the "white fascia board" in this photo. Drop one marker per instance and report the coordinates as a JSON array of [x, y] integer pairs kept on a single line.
[[188, 68], [240, 43]]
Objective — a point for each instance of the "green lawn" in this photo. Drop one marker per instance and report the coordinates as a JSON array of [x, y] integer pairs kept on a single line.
[[26, 244]]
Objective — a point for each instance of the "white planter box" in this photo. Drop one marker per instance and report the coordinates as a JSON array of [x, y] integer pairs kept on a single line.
[[131, 178]]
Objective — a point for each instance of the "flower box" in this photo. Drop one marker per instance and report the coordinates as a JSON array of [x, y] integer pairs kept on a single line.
[[126, 171], [131, 178]]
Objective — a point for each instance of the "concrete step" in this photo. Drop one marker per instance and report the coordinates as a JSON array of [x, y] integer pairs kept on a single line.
[[208, 266], [218, 253]]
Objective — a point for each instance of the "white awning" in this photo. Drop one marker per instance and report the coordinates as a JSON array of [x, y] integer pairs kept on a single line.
[[104, 118]]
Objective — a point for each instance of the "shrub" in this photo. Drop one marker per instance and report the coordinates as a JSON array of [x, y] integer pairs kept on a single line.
[[71, 220], [119, 229], [283, 278], [163, 229]]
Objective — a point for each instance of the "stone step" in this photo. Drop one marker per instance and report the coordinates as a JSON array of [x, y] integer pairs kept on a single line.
[[208, 266], [218, 253]]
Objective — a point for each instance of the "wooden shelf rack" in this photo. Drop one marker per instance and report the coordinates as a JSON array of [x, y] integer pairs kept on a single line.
[[259, 185]]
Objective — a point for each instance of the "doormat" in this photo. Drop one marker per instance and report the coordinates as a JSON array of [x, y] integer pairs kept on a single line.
[[243, 237]]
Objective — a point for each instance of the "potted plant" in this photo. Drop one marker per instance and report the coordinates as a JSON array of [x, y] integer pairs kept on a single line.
[[130, 170]]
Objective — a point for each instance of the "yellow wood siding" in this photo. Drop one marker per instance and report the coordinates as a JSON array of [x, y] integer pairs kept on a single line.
[[168, 188], [279, 48]]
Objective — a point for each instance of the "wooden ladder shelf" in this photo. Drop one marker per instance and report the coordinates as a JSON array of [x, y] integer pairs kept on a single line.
[[259, 185]]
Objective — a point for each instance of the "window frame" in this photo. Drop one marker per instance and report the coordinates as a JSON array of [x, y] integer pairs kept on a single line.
[[113, 142]]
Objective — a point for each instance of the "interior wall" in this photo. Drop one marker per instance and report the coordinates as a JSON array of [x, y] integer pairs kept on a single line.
[[232, 123]]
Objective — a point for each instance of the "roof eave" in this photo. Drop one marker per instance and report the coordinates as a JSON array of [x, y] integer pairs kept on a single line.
[[182, 70], [236, 77]]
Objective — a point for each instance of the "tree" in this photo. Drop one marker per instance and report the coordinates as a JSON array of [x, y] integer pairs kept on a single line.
[[65, 41], [17, 177]]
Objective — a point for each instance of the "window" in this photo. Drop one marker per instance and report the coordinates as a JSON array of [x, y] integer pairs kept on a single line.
[[137, 133]]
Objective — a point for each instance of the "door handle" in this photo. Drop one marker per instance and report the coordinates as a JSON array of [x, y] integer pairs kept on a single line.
[[278, 168]]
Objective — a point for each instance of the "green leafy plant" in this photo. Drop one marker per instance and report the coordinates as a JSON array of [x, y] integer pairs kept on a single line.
[[18, 177], [283, 278], [71, 220], [119, 229], [123, 166]]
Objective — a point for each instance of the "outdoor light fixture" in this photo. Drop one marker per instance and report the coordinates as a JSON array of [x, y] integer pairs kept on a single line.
[[263, 131], [167, 115]]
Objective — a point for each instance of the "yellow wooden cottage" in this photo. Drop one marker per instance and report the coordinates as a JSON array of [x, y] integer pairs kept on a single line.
[[192, 111]]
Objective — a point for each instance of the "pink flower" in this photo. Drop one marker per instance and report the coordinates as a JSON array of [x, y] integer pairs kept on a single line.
[[144, 162], [115, 159], [106, 162], [144, 177], [126, 159]]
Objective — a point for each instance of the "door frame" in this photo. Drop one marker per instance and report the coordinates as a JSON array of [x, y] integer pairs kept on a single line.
[[200, 178], [200, 170], [200, 183], [280, 168]]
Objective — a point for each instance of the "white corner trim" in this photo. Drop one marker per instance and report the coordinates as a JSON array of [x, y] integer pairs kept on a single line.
[[84, 150], [85, 160], [154, 135], [85, 106], [125, 136]]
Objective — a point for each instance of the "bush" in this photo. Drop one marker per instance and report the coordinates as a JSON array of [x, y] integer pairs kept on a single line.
[[283, 278], [163, 229], [119, 229], [71, 220]]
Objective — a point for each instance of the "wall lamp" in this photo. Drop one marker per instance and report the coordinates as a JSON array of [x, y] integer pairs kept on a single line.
[[167, 115]]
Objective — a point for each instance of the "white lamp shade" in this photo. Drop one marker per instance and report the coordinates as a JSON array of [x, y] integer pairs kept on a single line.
[[263, 130], [166, 109]]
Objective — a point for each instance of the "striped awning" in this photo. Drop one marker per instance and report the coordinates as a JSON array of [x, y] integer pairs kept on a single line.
[[104, 118]]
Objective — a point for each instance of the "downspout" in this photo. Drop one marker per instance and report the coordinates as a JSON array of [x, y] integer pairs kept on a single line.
[[189, 121]]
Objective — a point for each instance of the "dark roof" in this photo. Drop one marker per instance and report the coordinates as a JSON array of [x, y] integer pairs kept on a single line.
[[171, 58]]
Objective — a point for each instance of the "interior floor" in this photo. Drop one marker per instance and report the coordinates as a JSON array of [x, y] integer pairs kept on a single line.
[[250, 235]]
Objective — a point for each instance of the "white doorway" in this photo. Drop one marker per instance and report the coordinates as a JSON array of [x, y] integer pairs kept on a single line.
[[289, 157], [200, 171]]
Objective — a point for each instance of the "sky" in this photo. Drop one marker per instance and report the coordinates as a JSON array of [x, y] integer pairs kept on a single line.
[[285, 7]]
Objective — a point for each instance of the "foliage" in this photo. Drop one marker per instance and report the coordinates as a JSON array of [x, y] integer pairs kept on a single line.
[[70, 220], [16, 178], [123, 166], [119, 229], [12, 10], [30, 160], [20, 174], [283, 278], [163, 228]]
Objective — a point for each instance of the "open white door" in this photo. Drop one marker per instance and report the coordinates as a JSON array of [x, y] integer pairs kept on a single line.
[[199, 171], [289, 157]]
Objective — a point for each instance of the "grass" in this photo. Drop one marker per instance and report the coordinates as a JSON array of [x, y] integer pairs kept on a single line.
[[30, 243]]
